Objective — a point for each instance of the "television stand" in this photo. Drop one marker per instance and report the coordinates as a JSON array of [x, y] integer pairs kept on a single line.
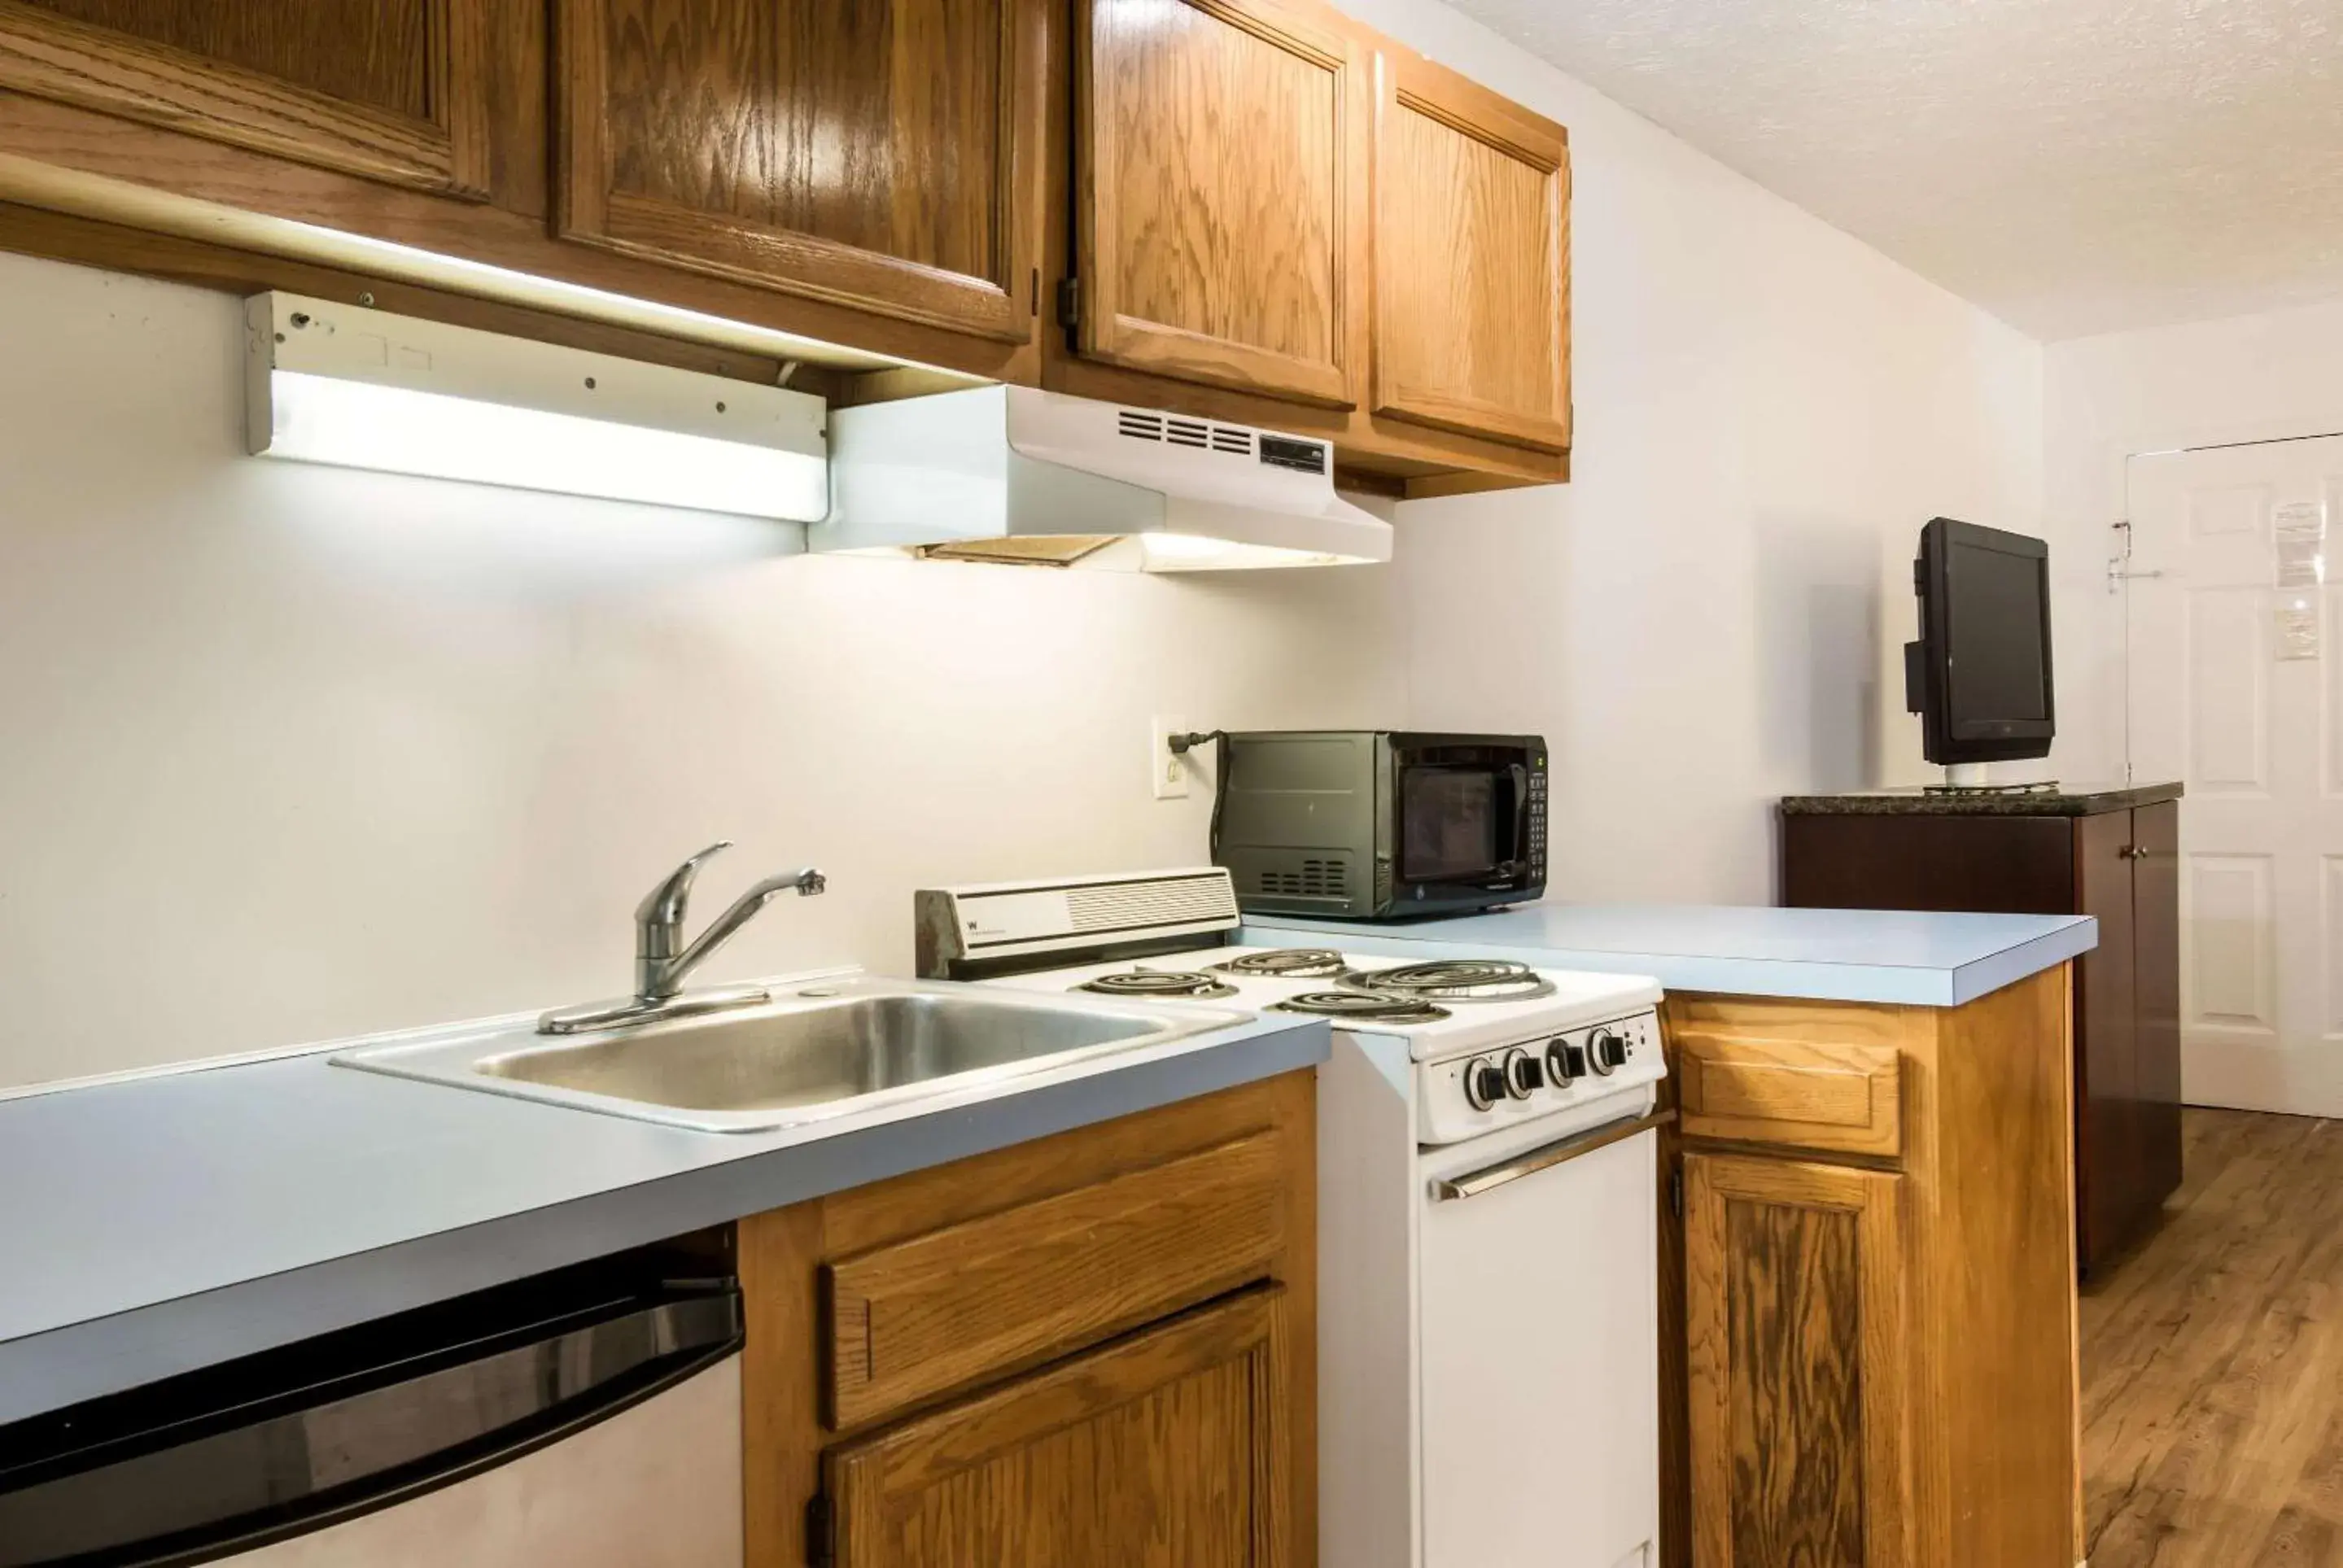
[[1974, 783]]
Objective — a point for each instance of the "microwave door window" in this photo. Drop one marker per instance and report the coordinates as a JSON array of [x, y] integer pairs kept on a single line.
[[1449, 824]]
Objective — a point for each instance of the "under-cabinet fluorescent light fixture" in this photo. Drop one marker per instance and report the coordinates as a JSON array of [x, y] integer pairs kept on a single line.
[[361, 388]]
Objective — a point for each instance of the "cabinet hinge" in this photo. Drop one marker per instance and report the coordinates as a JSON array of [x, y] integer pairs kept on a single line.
[[1069, 303], [821, 1532]]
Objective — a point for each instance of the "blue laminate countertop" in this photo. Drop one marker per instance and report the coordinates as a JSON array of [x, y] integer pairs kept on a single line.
[[155, 1225], [1837, 955]]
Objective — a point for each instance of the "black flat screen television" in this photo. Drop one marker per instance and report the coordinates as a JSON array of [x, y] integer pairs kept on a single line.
[[1980, 676]]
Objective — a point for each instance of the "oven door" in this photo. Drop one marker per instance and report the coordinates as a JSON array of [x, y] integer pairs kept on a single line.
[[1540, 1362], [1467, 821]]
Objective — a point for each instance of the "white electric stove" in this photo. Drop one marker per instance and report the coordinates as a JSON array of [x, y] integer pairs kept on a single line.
[[1488, 1216]]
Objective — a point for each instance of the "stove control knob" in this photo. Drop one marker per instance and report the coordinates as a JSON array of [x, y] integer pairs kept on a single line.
[[1525, 1073], [1484, 1084], [1607, 1052], [1566, 1063]]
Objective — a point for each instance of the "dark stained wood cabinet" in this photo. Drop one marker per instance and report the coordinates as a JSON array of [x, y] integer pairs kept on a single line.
[[396, 91], [2109, 854], [1220, 199], [1472, 258], [882, 153]]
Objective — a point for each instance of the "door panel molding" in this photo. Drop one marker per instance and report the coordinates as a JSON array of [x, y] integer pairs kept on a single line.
[[46, 55]]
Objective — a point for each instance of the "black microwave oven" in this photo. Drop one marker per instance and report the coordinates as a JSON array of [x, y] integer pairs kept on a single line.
[[1381, 824]]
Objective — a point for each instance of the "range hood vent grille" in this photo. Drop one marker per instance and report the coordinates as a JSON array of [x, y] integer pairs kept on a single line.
[[1169, 430]]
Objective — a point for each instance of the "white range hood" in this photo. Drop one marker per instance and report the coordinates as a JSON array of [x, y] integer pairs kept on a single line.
[[1018, 475]]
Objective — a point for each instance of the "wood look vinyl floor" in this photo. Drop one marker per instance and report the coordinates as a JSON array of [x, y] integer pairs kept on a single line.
[[2213, 1361]]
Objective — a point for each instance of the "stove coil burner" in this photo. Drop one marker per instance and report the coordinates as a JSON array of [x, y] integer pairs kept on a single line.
[[1287, 963], [1454, 980], [1359, 1006], [1145, 982]]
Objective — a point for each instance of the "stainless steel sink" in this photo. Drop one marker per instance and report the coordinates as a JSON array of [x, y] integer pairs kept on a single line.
[[819, 1050]]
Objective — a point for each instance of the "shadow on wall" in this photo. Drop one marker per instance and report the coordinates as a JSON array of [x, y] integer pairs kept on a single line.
[[1818, 651]]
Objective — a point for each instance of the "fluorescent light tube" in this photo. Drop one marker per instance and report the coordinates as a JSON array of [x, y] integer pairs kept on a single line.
[[361, 388]]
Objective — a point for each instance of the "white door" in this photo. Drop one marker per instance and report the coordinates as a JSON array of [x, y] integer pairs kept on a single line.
[[2235, 689]]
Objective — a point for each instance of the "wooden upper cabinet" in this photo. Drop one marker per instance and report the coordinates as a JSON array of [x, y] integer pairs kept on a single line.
[[1220, 195], [1472, 260], [392, 90], [880, 153], [1162, 1449]]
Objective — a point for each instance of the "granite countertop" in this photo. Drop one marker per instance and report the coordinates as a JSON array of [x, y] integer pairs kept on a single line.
[[159, 1224], [2059, 801], [1836, 955]]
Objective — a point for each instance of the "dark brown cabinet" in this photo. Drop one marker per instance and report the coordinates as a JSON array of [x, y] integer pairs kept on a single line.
[[880, 154], [392, 90], [2110, 854]]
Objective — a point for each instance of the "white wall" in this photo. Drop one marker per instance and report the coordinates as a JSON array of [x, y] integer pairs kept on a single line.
[[294, 753], [2246, 379], [1712, 614]]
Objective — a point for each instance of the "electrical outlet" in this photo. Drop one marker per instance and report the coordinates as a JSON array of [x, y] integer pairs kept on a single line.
[[1171, 769]]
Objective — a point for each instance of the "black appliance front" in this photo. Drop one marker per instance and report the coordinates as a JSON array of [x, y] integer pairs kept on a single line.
[[1381, 825]]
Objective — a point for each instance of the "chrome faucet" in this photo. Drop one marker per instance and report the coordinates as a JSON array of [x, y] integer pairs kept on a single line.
[[662, 960]]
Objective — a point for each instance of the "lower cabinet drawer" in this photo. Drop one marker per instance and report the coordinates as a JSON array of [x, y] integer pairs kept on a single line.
[[914, 1319], [1833, 1095]]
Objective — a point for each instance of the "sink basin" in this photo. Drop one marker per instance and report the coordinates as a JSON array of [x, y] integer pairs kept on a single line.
[[818, 1050]]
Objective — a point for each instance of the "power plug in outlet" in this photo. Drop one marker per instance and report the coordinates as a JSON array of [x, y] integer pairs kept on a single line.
[[1171, 771]]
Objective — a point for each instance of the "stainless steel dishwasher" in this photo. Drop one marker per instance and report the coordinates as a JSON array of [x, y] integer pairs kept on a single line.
[[589, 1419]]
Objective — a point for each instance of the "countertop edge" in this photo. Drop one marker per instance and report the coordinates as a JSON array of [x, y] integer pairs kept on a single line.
[[57, 1367], [2088, 802]]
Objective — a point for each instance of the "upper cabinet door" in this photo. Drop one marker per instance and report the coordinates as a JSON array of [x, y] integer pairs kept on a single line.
[[1221, 207], [880, 154], [1472, 259], [393, 90]]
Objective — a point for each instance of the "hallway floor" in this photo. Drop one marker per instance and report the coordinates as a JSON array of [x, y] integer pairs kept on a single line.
[[2213, 1361]]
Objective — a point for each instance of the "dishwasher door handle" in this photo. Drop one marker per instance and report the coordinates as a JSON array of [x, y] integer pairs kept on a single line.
[[1546, 1157]]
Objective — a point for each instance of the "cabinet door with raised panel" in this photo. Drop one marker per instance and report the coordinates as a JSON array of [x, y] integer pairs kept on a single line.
[[393, 90], [1472, 259], [1162, 1449], [879, 154], [1220, 200], [1794, 1353]]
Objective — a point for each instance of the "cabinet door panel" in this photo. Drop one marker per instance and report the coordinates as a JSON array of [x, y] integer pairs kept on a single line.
[[2107, 1148], [394, 90], [882, 153], [1794, 1312], [1472, 262], [1159, 1450], [2156, 989], [1221, 201]]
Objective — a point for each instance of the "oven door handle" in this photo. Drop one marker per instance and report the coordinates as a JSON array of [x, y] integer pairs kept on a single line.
[[1546, 1156]]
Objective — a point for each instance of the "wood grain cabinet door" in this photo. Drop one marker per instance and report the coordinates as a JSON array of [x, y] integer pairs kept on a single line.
[[1162, 1449], [1220, 195], [392, 90], [1796, 1360], [1472, 259], [879, 154]]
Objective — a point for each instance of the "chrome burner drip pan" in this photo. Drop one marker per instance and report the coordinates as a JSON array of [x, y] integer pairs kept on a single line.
[[1362, 1007], [1454, 980], [1158, 984], [1287, 963]]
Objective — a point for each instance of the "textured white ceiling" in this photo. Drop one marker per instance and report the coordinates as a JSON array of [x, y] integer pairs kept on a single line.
[[2074, 166]]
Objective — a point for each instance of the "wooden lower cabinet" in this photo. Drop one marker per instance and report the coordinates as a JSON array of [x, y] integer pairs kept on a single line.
[[1868, 1299], [1160, 1449], [1794, 1319], [1095, 1348]]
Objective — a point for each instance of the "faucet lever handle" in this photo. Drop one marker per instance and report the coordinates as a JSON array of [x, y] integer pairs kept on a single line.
[[662, 908]]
